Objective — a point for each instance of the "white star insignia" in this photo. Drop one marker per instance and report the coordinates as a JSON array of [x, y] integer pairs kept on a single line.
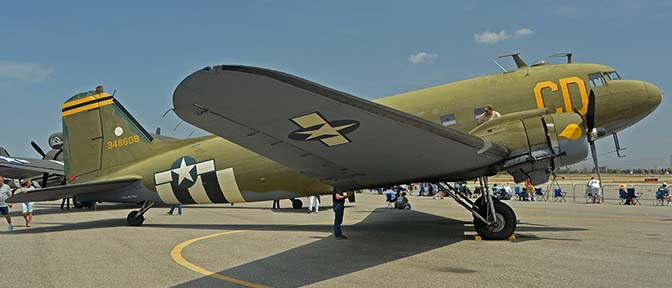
[[183, 172]]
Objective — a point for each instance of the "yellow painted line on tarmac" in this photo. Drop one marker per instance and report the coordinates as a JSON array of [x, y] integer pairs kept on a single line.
[[176, 254]]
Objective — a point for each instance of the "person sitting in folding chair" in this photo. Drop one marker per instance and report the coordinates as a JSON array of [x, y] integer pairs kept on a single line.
[[632, 197], [402, 202], [623, 195], [662, 194], [530, 189], [521, 193], [390, 197]]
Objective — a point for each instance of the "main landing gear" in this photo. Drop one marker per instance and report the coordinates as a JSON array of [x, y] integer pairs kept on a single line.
[[493, 220], [135, 218]]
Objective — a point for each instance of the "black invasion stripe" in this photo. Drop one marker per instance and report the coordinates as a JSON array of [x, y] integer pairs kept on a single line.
[[182, 195], [87, 103], [211, 185]]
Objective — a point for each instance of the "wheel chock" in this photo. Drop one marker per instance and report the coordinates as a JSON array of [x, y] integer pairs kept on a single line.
[[478, 238], [512, 238]]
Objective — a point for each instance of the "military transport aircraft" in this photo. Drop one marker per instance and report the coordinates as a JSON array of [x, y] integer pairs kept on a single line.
[[277, 136]]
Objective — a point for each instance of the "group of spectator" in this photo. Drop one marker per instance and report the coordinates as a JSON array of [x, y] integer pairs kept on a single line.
[[26, 208], [398, 197]]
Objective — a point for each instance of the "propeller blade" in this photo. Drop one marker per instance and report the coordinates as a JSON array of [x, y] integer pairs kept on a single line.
[[590, 114], [37, 148]]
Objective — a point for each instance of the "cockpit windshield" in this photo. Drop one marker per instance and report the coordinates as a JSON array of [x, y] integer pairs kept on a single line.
[[612, 75], [596, 80]]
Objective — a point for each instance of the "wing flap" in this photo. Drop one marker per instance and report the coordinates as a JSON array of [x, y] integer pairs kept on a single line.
[[69, 191], [338, 138]]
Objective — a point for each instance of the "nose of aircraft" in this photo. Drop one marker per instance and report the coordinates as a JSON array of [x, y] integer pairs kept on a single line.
[[654, 95]]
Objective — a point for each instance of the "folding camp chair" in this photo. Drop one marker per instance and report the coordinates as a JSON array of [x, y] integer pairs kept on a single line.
[[539, 194], [623, 196], [559, 195], [661, 197], [635, 197], [522, 194], [390, 201]]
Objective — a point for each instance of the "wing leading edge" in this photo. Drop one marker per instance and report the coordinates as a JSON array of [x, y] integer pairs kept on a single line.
[[329, 135]]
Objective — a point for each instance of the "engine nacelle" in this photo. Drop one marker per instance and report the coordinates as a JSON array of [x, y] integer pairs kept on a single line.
[[539, 142]]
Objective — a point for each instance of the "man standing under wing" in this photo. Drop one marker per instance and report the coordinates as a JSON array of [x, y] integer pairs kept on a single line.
[[338, 198], [5, 192]]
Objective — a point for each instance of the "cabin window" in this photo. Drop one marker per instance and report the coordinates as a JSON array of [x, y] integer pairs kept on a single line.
[[596, 80], [478, 112], [447, 120], [613, 75]]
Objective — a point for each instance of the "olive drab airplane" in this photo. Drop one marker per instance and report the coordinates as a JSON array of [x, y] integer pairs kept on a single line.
[[277, 136]]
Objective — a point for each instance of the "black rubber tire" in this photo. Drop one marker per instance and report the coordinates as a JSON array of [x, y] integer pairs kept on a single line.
[[76, 203], [504, 231], [133, 220], [297, 204]]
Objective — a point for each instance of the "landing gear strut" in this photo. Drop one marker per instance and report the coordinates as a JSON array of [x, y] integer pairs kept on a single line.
[[135, 217], [493, 220]]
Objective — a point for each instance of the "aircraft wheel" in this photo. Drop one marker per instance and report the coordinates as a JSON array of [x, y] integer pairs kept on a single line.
[[133, 220], [297, 204], [502, 228], [76, 203]]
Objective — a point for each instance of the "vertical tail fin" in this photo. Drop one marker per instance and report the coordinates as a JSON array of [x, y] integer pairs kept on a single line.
[[100, 133]]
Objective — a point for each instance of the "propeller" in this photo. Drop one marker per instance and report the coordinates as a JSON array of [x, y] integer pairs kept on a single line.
[[592, 133], [37, 148], [45, 176]]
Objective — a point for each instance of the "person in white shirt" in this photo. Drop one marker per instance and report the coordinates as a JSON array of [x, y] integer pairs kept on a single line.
[[5, 192], [595, 186], [313, 201], [27, 208], [488, 114], [507, 189]]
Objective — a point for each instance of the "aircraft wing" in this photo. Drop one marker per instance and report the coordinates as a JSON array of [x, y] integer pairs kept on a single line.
[[343, 140], [18, 168], [69, 191]]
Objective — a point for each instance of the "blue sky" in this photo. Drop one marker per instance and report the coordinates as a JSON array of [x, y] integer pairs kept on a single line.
[[52, 50]]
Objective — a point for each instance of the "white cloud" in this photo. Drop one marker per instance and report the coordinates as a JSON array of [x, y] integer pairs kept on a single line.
[[421, 57], [523, 32], [488, 37], [24, 71]]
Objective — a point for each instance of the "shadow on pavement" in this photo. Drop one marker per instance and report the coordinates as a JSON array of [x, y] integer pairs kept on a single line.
[[384, 236]]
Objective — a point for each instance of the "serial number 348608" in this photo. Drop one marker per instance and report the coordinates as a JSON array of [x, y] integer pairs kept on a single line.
[[121, 142]]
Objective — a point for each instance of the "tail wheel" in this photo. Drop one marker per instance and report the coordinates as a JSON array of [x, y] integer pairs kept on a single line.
[[134, 219], [297, 204], [502, 228]]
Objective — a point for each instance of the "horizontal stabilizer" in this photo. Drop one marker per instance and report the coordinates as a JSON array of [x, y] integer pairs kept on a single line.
[[69, 191]]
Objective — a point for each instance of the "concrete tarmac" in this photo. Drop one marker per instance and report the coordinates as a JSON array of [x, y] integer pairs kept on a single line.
[[558, 244]]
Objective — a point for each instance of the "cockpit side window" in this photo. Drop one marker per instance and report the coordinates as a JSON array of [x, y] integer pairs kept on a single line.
[[612, 75], [596, 80]]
